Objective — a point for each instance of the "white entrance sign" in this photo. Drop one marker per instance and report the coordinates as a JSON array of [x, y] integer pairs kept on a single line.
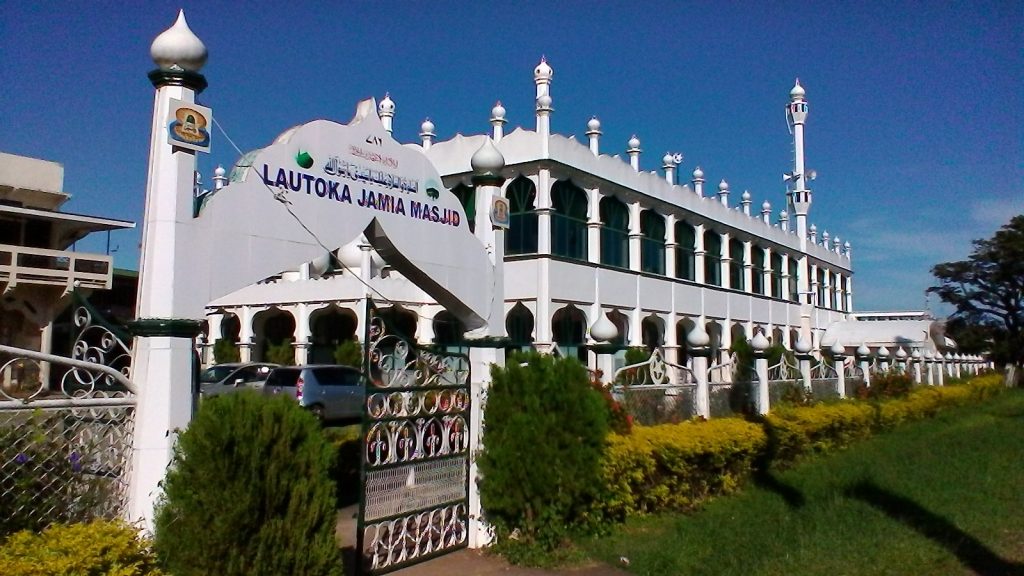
[[340, 181]]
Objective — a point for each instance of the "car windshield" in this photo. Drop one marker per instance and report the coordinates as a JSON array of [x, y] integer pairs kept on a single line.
[[215, 373]]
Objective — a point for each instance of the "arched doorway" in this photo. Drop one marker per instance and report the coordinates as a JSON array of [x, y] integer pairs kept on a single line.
[[519, 327], [330, 328], [450, 333], [568, 328], [274, 331]]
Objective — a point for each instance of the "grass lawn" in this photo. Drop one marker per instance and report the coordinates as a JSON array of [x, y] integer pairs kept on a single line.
[[941, 496]]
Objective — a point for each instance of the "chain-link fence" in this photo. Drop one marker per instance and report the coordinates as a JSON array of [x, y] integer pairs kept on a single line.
[[65, 451]]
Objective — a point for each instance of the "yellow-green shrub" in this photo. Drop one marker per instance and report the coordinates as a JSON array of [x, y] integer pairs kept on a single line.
[[99, 548], [795, 431], [677, 466]]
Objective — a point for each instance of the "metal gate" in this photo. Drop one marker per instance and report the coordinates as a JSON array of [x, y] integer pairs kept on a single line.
[[415, 456]]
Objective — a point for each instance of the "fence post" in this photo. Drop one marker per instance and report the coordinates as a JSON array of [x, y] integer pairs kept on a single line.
[[915, 357], [838, 354], [940, 368], [864, 357], [901, 359], [698, 341], [760, 345], [929, 358], [803, 355]]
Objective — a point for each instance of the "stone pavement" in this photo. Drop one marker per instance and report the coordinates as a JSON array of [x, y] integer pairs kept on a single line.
[[462, 563]]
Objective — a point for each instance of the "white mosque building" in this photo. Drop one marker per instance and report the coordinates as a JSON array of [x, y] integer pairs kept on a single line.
[[598, 252]]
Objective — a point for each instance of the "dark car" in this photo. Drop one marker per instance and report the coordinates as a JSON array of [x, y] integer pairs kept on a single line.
[[224, 378], [333, 393]]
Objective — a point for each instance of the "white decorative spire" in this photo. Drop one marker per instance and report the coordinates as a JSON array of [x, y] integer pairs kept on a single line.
[[542, 75], [386, 111], [603, 330], [594, 134], [698, 181], [220, 178], [668, 162], [178, 48], [800, 196], [766, 212], [497, 121], [723, 192], [633, 149], [745, 202], [427, 133]]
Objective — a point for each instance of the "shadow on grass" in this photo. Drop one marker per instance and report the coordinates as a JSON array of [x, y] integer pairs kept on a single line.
[[968, 549], [767, 480]]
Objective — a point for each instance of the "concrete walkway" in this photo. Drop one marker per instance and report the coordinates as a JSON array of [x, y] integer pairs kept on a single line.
[[461, 563]]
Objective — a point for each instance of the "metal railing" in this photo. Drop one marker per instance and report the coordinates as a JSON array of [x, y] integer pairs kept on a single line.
[[23, 265], [655, 391]]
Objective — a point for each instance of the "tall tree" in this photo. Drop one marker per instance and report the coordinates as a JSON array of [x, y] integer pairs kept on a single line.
[[987, 289]]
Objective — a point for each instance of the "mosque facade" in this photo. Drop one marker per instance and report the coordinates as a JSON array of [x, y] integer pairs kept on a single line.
[[598, 255]]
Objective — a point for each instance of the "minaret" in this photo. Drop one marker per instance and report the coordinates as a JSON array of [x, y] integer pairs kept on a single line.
[[800, 196], [497, 122], [634, 152], [542, 78], [698, 181], [594, 135], [427, 133]]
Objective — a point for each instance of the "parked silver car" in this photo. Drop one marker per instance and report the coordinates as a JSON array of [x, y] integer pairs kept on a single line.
[[234, 376], [332, 393]]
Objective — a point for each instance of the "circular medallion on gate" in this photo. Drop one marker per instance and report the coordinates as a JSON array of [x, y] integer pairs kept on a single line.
[[433, 438], [396, 404], [405, 443], [429, 400], [376, 405], [444, 400], [461, 400]]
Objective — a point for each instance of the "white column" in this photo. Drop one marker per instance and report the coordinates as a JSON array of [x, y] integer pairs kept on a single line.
[[748, 268], [670, 245], [726, 261], [594, 225], [634, 236], [785, 277], [698, 255], [303, 334], [766, 275]]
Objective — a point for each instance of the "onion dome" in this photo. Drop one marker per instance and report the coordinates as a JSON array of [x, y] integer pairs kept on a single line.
[[698, 173], [219, 172], [634, 143], [883, 352], [498, 112], [178, 48], [929, 355], [542, 72], [387, 105], [668, 160], [487, 160], [544, 102], [802, 346], [916, 354], [745, 196], [837, 349], [427, 128], [698, 337], [593, 125], [901, 354], [846, 245], [949, 356], [723, 186], [603, 329], [958, 357], [813, 229], [759, 343], [798, 91], [863, 350], [783, 215], [350, 255], [766, 206]]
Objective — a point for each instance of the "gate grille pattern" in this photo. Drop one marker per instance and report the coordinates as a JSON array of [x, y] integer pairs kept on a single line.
[[65, 448], [415, 453]]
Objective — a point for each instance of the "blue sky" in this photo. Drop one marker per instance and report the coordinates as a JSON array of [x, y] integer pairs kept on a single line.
[[915, 124]]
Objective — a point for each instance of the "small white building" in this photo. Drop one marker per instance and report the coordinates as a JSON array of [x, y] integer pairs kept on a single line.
[[590, 236], [38, 271]]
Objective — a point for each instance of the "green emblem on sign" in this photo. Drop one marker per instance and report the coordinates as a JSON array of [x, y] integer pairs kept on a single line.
[[304, 160], [433, 193]]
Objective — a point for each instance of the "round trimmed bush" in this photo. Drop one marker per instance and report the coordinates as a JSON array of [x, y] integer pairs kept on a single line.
[[249, 493]]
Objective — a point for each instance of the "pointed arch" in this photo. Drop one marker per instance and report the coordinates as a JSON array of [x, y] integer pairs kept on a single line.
[[652, 242], [568, 220], [329, 328], [686, 238], [614, 232], [522, 233], [568, 330]]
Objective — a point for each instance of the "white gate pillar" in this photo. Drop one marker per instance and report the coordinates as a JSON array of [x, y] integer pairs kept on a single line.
[[760, 345], [698, 344], [803, 355], [864, 358], [838, 355], [915, 359], [487, 163], [163, 357]]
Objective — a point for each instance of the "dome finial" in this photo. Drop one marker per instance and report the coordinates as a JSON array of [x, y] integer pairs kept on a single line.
[[487, 160], [798, 92], [178, 48]]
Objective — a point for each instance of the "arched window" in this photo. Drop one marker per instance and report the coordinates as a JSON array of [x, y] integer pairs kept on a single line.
[[522, 233], [614, 233], [652, 332], [450, 332], [794, 286], [467, 197], [757, 269], [519, 326], [736, 279], [685, 241], [568, 327], [776, 275], [712, 258], [652, 242], [568, 221]]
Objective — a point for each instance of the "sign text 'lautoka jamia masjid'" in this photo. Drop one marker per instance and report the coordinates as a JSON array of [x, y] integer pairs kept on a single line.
[[597, 250]]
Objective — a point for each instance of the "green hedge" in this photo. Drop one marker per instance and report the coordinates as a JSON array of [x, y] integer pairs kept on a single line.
[[679, 466], [98, 548]]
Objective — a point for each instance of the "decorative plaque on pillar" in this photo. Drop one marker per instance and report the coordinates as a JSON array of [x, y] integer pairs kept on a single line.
[[188, 125]]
